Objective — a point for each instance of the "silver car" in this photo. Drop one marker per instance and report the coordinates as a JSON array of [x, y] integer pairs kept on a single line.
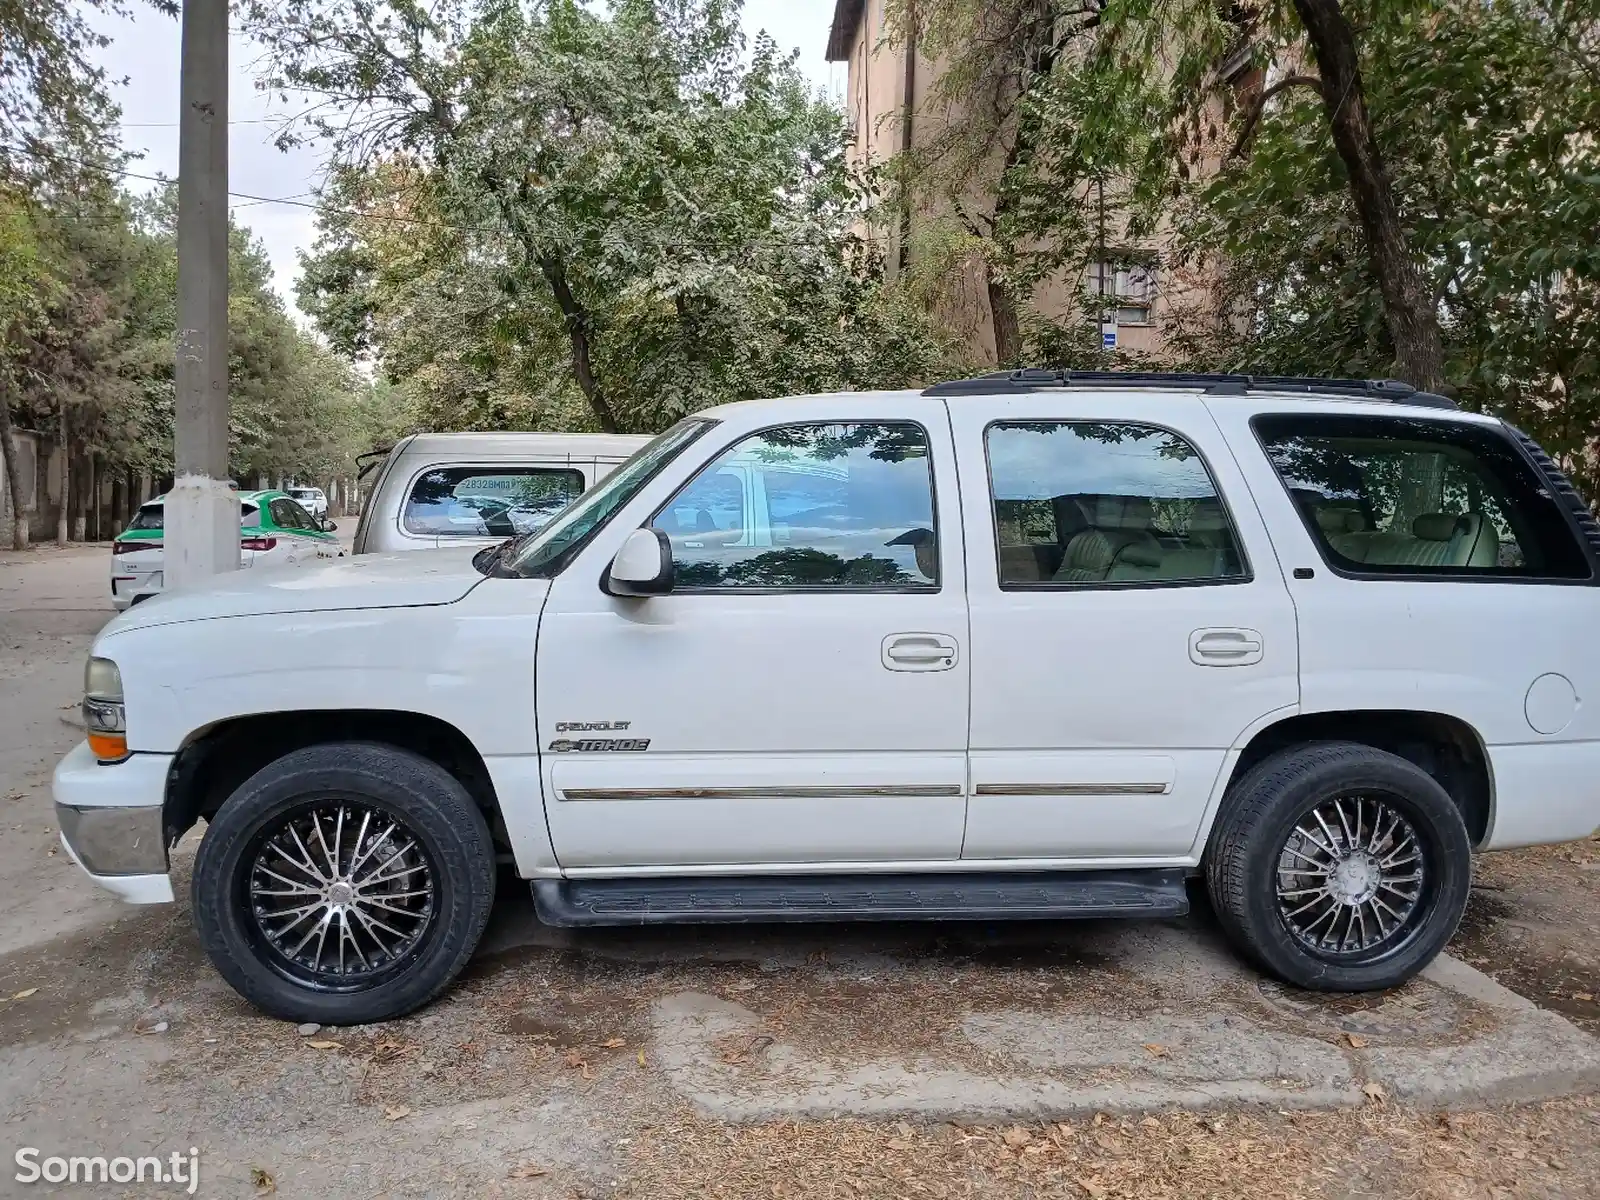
[[459, 489]]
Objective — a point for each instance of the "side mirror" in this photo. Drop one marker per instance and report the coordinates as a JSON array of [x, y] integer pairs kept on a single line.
[[329, 527], [643, 567]]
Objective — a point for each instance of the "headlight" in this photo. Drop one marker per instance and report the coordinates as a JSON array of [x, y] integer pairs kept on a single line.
[[104, 716], [102, 680]]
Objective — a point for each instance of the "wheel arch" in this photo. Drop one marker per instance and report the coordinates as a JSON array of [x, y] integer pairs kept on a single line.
[[1446, 747], [214, 761]]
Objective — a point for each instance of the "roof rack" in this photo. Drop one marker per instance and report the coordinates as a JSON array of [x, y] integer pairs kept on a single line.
[[1032, 379]]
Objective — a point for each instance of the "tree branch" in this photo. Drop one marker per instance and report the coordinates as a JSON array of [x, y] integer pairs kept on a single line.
[[1253, 118]]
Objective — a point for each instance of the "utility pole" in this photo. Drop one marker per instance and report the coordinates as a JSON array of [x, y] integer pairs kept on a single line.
[[202, 511]]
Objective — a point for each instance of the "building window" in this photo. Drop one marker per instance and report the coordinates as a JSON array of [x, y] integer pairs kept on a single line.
[[1129, 288]]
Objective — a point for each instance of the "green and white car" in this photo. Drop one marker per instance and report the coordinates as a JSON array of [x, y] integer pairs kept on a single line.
[[273, 528]]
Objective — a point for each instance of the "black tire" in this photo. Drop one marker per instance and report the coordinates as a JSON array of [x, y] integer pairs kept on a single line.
[[1250, 853], [449, 835]]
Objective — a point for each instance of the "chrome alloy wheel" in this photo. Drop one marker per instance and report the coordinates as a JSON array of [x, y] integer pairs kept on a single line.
[[1351, 877], [340, 893]]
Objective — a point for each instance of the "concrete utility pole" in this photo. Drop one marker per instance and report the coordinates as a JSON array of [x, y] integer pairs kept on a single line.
[[202, 512]]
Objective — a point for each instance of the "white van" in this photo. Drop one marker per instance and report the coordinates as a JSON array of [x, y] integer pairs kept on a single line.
[[461, 489]]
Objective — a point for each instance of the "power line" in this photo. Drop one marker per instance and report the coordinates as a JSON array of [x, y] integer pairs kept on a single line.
[[174, 124], [296, 202]]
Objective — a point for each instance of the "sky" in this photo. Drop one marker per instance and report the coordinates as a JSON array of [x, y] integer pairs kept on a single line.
[[144, 53]]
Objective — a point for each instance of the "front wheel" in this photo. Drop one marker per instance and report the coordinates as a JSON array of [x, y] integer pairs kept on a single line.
[[344, 883], [1339, 867]]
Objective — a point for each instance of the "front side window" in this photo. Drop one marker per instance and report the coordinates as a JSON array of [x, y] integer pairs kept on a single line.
[[1096, 503], [1408, 496], [488, 501], [809, 506]]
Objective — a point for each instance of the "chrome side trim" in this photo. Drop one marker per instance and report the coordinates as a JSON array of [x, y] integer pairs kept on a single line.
[[764, 793], [1073, 789]]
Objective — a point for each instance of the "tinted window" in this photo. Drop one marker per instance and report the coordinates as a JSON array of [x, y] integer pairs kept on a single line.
[[1406, 496], [488, 501], [1079, 503], [151, 516], [809, 506]]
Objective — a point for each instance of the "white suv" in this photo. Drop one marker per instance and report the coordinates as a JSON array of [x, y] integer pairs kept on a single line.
[[1034, 645]]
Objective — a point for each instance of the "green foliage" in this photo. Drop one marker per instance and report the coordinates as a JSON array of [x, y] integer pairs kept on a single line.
[[95, 338], [549, 216]]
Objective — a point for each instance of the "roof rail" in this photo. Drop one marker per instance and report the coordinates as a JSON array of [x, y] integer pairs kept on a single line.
[[1032, 379]]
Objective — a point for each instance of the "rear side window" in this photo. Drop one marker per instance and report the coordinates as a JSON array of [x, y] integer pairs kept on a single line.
[[835, 506], [1081, 503], [1408, 496], [151, 516], [488, 501]]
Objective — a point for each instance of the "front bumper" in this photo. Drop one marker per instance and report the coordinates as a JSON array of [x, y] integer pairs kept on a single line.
[[111, 821]]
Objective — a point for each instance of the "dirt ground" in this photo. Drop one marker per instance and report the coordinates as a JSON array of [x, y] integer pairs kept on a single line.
[[545, 1073]]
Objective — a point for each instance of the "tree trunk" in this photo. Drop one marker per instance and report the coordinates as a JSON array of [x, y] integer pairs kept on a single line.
[[8, 453], [1408, 306], [1007, 325], [64, 449], [577, 321]]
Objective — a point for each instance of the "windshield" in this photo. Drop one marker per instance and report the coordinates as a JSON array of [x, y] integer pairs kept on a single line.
[[551, 548]]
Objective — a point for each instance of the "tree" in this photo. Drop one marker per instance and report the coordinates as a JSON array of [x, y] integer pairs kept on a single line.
[[620, 196], [22, 280], [1486, 115], [1062, 100]]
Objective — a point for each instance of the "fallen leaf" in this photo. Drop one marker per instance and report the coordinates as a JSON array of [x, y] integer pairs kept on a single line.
[[613, 1043], [264, 1182], [395, 1112], [319, 1044], [1017, 1136], [1092, 1186], [528, 1171], [1374, 1092], [145, 1025], [1150, 1123], [641, 1058], [1583, 995], [904, 1130], [25, 993], [580, 1064], [1157, 1049], [898, 1144], [1356, 1040]]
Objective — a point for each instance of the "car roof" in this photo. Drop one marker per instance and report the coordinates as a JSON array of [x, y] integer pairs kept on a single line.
[[494, 447], [1265, 392]]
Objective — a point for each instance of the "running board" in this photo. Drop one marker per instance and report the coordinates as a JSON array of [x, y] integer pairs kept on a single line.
[[950, 896]]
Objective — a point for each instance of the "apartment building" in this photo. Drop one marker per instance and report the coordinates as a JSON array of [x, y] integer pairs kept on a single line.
[[891, 106]]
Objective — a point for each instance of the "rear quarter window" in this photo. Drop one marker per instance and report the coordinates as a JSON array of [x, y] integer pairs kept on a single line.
[[1407, 496]]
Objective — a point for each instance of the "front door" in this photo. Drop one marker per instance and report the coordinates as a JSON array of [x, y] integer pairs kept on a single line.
[[800, 698], [1130, 624]]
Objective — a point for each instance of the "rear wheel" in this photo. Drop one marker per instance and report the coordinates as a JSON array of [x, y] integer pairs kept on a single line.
[[344, 883], [1339, 867]]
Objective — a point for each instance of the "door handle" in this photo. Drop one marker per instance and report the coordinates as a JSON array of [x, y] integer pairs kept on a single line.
[[1225, 647], [919, 652]]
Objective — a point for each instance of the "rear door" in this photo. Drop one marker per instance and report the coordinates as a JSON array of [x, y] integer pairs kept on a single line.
[[1129, 624]]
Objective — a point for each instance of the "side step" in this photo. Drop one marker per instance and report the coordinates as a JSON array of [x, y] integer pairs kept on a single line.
[[952, 896]]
